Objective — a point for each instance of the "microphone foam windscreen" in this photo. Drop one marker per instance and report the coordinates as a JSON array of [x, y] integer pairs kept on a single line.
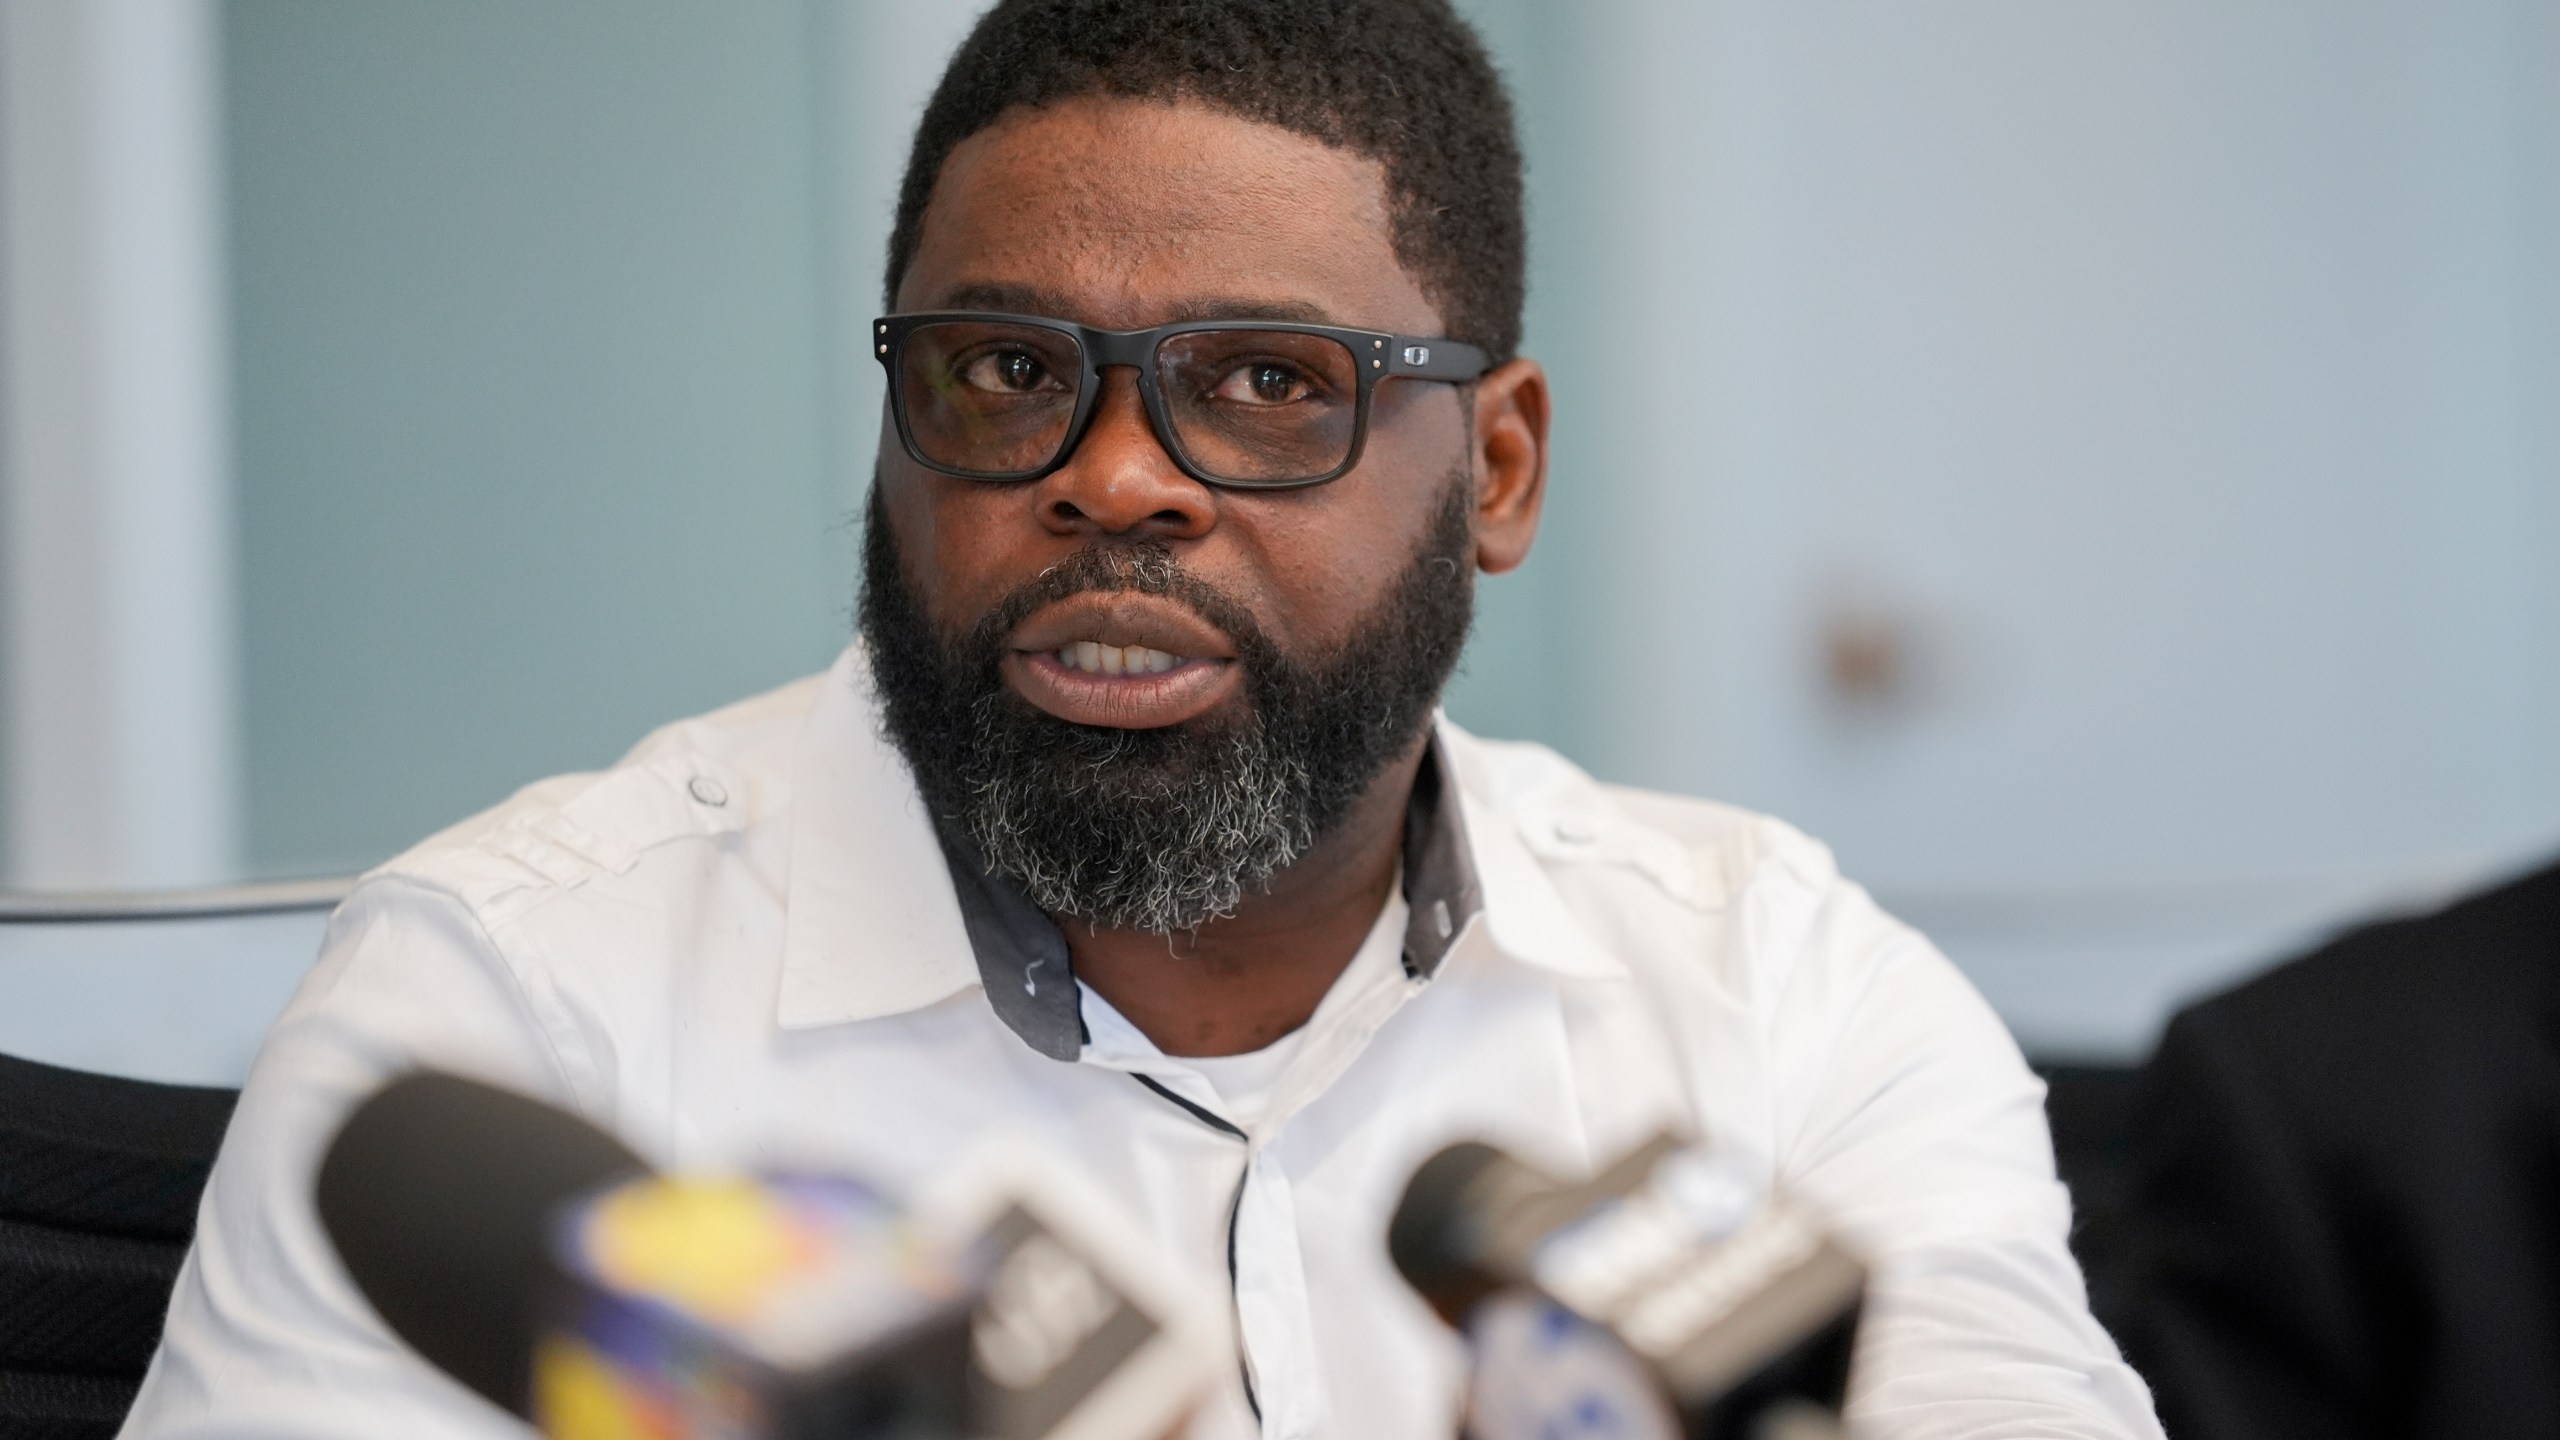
[[1431, 1236], [438, 1194]]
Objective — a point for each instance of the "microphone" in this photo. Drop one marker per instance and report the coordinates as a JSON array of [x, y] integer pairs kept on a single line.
[[1659, 1299], [539, 1262], [438, 1192]]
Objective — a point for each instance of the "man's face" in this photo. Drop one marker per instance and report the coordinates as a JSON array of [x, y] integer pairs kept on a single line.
[[1004, 598]]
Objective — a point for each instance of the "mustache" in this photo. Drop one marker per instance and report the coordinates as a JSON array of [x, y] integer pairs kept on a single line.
[[1141, 567]]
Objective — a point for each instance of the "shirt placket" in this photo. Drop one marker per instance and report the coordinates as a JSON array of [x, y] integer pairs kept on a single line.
[[1275, 1321], [1274, 1312]]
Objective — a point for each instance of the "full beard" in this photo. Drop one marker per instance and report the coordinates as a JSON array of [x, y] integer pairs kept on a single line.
[[1161, 830]]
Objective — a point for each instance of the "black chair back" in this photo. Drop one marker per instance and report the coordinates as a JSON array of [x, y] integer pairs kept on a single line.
[[99, 1179], [2090, 1107]]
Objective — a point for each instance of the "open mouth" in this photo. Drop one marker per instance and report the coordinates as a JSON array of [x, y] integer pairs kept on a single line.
[[1123, 660], [1092, 657]]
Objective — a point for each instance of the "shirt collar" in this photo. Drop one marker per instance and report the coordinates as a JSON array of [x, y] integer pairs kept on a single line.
[[887, 915], [1440, 880], [872, 925], [1522, 916]]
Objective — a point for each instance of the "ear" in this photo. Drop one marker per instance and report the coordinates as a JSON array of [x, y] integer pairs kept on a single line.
[[1511, 463]]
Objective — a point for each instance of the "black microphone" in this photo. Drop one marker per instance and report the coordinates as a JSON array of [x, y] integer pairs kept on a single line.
[[1661, 1298], [538, 1261], [438, 1193]]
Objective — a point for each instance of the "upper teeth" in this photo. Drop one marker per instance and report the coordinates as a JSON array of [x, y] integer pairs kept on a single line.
[[1098, 659]]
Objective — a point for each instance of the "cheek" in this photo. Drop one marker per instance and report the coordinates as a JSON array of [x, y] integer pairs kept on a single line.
[[951, 536], [1331, 554], [1330, 563]]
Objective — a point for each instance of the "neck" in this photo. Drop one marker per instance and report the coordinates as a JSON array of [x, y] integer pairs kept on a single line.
[[1239, 983]]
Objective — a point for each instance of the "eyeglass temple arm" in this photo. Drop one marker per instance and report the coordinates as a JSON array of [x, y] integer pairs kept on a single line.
[[1423, 359]]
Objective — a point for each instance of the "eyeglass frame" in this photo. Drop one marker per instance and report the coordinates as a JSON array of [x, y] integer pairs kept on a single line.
[[1390, 356]]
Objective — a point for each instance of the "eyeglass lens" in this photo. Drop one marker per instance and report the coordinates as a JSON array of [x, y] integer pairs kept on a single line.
[[1246, 406]]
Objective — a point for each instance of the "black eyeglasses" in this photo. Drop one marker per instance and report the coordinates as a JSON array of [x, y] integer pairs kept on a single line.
[[1258, 403]]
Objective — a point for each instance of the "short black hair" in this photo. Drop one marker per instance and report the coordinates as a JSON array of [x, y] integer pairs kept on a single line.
[[1402, 82]]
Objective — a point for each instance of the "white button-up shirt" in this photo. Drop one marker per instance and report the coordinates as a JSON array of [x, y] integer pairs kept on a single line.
[[744, 946]]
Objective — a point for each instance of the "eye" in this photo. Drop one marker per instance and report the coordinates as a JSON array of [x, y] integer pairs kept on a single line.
[[1008, 372], [1264, 382]]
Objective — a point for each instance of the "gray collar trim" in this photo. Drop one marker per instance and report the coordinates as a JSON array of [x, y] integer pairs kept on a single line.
[[1022, 955], [1439, 867]]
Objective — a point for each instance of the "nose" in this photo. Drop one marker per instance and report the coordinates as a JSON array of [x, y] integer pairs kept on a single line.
[[1120, 481]]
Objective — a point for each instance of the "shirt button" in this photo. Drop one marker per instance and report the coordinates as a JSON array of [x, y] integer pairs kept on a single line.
[[707, 790]]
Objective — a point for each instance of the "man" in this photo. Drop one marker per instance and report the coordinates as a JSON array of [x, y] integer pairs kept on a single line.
[[1130, 820], [2345, 1220]]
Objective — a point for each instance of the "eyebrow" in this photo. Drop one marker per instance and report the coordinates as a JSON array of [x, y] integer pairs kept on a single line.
[[1032, 300]]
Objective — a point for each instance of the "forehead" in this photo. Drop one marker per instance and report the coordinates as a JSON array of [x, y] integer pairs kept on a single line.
[[1127, 213]]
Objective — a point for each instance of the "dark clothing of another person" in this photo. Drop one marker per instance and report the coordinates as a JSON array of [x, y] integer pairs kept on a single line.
[[2345, 1215]]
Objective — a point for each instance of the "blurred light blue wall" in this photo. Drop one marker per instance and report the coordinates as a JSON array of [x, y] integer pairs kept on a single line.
[[2167, 389], [2161, 396], [533, 394]]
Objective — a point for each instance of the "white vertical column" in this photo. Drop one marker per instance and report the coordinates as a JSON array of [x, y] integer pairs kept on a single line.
[[116, 587]]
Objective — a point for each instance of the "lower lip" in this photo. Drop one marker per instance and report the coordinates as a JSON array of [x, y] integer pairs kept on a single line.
[[1122, 702]]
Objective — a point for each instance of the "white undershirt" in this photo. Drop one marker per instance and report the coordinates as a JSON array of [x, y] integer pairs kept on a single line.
[[1246, 1083]]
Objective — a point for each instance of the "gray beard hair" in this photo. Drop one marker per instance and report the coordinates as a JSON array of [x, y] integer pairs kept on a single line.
[[1174, 860]]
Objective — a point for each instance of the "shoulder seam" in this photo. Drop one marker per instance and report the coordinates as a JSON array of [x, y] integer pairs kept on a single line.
[[551, 1024], [561, 844]]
